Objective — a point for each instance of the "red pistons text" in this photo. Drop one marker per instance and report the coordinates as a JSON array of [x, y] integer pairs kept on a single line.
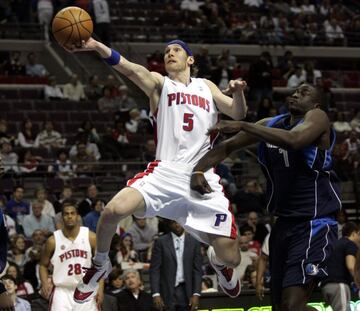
[[73, 253], [182, 99]]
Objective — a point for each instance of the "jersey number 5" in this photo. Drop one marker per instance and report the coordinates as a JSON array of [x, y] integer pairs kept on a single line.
[[74, 269], [188, 122]]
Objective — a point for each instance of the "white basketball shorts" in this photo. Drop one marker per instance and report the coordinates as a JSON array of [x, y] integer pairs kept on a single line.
[[165, 187], [62, 299]]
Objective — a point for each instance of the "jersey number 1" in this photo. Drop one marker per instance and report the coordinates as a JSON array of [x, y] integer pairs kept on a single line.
[[188, 122], [74, 269]]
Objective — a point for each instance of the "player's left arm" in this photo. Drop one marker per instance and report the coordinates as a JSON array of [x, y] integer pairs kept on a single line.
[[235, 107], [100, 294], [316, 123]]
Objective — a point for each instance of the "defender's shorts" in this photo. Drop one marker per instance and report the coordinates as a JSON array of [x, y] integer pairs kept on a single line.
[[299, 251], [165, 187]]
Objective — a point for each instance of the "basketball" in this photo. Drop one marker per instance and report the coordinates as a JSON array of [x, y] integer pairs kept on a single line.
[[71, 25]]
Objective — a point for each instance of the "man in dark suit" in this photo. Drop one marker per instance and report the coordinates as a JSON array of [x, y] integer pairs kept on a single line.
[[175, 271]]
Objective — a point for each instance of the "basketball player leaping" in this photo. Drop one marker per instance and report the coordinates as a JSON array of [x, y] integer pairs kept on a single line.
[[295, 154], [183, 108], [69, 251]]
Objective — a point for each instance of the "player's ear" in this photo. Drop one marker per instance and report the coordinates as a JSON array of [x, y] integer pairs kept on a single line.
[[191, 60]]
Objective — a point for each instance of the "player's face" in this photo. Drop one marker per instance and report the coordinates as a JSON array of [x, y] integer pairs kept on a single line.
[[301, 101], [176, 58], [70, 216]]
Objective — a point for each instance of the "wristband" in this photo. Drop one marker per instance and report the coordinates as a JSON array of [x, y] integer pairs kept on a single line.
[[197, 172], [114, 58]]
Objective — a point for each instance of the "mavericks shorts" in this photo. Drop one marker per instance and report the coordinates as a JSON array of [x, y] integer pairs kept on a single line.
[[165, 187]]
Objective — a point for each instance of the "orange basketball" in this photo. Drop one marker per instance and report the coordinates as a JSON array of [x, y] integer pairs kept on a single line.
[[71, 25]]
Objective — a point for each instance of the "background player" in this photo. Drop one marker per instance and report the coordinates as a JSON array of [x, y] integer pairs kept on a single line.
[[69, 251], [295, 153], [183, 109]]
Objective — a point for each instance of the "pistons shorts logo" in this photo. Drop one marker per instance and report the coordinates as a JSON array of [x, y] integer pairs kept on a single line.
[[220, 218]]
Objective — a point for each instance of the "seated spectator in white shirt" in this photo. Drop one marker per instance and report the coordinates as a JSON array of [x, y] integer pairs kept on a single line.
[[41, 197], [297, 78], [52, 90], [49, 138], [9, 158], [132, 125], [74, 90], [63, 167], [308, 8], [37, 220], [27, 135], [333, 32], [33, 68], [341, 125], [248, 257], [91, 148], [191, 5]]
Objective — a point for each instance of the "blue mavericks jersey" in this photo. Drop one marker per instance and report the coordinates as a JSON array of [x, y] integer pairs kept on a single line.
[[300, 183]]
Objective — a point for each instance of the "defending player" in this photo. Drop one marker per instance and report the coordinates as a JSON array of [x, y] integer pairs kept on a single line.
[[295, 153], [183, 108], [69, 251]]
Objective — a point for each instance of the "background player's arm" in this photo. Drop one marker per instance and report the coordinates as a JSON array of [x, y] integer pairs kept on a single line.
[[260, 271], [316, 123], [235, 107], [100, 294], [143, 78], [46, 254]]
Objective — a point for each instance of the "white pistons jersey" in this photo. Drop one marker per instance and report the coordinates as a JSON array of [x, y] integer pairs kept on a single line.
[[70, 257], [183, 116]]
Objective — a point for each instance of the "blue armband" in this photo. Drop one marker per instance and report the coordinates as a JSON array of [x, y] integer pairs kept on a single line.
[[114, 58]]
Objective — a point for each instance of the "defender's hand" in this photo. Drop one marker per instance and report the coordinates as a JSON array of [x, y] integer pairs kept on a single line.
[[89, 45], [260, 291], [226, 127], [235, 85], [199, 183]]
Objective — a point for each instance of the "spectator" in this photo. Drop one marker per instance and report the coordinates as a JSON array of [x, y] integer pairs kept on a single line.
[[222, 74], [297, 78], [287, 65], [83, 160], [260, 78], [248, 258], [150, 150], [88, 128], [113, 86], [16, 254], [253, 3], [4, 134], [16, 207], [91, 219], [142, 234], [264, 108], [115, 282], [248, 232], [250, 199], [27, 135], [191, 5], [325, 8], [90, 148], [74, 90], [10, 223], [340, 125], [45, 10], [119, 139], [102, 20], [204, 63], [33, 68], [66, 194], [126, 252], [341, 269], [19, 303], [125, 102], [37, 238], [41, 197], [14, 66], [294, 8], [86, 204], [31, 267], [307, 8], [49, 138], [259, 229], [132, 125], [63, 167], [38, 220], [107, 103], [311, 74], [9, 159], [133, 298], [355, 122], [52, 90], [93, 90], [29, 163], [207, 285], [333, 32], [351, 146]]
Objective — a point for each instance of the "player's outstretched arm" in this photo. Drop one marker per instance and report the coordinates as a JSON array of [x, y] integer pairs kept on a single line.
[[316, 123], [234, 107], [141, 76]]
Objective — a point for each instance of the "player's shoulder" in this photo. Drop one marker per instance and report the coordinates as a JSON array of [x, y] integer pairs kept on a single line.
[[316, 113], [159, 78], [50, 242]]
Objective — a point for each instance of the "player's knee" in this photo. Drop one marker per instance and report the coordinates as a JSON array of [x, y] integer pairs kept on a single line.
[[112, 211]]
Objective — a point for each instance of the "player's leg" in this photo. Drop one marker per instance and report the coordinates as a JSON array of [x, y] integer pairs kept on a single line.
[[295, 298], [123, 204], [61, 299], [226, 250]]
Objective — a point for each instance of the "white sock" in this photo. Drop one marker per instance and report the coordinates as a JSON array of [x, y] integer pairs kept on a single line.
[[100, 258]]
